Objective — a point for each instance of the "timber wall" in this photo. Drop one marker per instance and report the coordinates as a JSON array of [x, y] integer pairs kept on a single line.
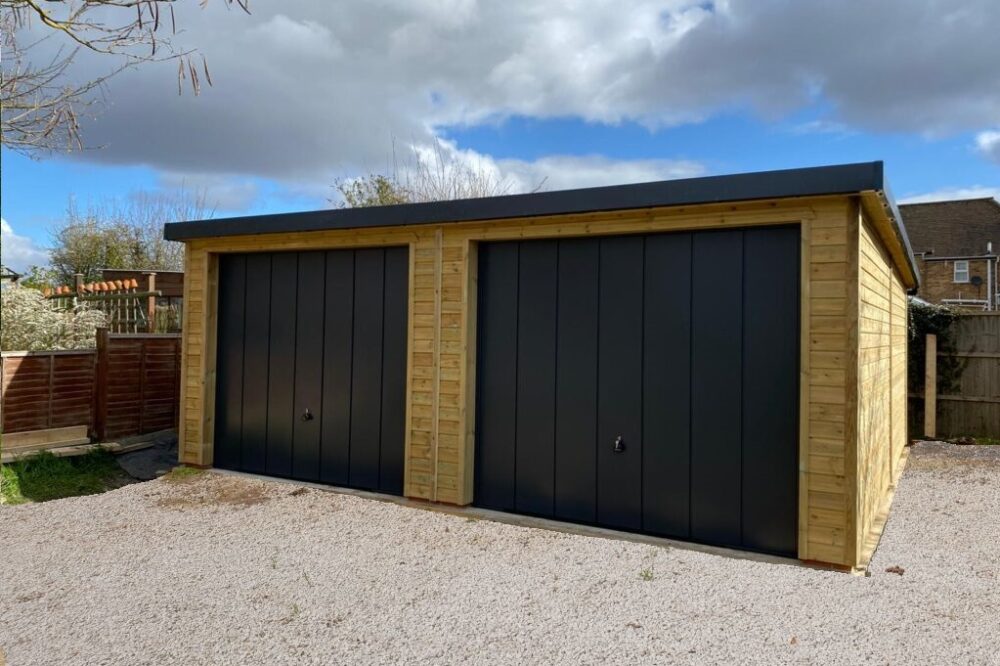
[[882, 357]]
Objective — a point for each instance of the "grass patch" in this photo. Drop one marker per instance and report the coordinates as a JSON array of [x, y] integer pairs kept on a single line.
[[44, 477], [647, 574], [183, 473]]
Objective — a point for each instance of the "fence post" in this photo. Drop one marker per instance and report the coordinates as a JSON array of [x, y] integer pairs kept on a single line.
[[151, 303], [930, 387], [77, 289], [51, 391], [101, 386]]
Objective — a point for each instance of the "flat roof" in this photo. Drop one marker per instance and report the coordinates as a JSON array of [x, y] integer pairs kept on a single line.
[[781, 184]]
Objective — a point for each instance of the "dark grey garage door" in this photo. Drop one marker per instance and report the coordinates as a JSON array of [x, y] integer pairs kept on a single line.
[[646, 383], [311, 379]]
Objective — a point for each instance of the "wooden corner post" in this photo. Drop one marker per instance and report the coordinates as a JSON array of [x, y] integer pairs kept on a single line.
[[151, 303]]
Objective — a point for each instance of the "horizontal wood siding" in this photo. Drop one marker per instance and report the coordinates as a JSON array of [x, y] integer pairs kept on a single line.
[[826, 523], [881, 382]]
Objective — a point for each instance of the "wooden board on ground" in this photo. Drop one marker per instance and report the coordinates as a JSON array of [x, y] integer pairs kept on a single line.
[[37, 440], [125, 445]]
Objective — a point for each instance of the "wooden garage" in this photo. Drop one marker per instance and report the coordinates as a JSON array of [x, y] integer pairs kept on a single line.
[[720, 360]]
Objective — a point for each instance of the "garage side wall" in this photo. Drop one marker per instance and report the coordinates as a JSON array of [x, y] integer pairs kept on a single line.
[[882, 357]]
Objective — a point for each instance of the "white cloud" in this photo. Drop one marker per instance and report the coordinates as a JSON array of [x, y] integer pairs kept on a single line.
[[822, 127], [306, 90], [948, 194], [554, 172], [564, 172], [988, 143], [298, 40], [222, 192], [20, 252]]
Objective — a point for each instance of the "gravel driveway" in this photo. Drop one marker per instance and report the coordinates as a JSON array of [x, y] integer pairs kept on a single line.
[[227, 570]]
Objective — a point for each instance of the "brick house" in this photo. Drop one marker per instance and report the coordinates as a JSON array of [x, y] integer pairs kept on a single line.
[[956, 245]]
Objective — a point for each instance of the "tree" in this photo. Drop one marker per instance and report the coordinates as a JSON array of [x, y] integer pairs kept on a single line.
[[123, 234], [434, 174], [371, 190], [38, 277], [40, 105]]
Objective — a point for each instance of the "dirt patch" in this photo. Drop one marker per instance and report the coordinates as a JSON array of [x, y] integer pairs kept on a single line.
[[210, 490]]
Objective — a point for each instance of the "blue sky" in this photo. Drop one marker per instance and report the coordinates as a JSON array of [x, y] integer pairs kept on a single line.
[[309, 92]]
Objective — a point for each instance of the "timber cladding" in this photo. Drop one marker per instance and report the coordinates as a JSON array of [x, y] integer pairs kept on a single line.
[[851, 345]]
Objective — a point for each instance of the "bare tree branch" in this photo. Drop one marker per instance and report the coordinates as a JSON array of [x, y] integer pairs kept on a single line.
[[123, 233], [40, 105]]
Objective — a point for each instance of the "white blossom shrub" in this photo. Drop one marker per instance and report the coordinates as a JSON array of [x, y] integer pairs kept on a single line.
[[30, 322]]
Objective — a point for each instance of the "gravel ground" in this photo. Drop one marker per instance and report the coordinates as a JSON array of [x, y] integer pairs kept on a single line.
[[226, 570]]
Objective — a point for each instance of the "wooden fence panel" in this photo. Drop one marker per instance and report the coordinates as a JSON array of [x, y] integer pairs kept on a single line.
[[973, 407], [143, 384], [47, 389], [129, 385]]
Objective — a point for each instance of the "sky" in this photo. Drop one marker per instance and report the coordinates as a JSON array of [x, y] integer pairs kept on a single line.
[[550, 95]]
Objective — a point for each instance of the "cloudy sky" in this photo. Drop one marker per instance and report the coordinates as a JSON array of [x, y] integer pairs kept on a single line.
[[563, 93]]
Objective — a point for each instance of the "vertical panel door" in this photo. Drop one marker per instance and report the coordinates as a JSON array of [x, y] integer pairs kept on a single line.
[[646, 383], [311, 379]]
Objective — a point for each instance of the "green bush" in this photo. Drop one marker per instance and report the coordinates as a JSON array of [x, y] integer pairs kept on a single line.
[[927, 318]]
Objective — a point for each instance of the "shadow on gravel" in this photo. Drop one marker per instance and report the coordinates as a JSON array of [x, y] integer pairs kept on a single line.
[[157, 460]]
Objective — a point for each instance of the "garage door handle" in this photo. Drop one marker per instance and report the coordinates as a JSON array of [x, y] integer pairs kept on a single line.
[[619, 446], [307, 415]]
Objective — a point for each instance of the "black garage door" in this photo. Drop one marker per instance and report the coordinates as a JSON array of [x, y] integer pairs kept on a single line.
[[646, 383], [311, 379]]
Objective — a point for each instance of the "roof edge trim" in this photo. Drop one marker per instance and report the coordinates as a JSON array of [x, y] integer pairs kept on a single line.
[[787, 183]]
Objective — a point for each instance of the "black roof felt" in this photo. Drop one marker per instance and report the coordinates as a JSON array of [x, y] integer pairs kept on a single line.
[[812, 181]]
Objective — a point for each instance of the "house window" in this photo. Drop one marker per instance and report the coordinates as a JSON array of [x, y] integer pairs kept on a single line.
[[961, 271]]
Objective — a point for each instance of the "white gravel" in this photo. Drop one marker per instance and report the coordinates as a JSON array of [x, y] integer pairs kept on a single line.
[[226, 570]]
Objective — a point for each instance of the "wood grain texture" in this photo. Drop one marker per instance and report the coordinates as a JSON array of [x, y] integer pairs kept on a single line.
[[881, 381]]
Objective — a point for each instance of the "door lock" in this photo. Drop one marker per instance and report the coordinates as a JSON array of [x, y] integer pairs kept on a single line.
[[307, 415], [619, 446]]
